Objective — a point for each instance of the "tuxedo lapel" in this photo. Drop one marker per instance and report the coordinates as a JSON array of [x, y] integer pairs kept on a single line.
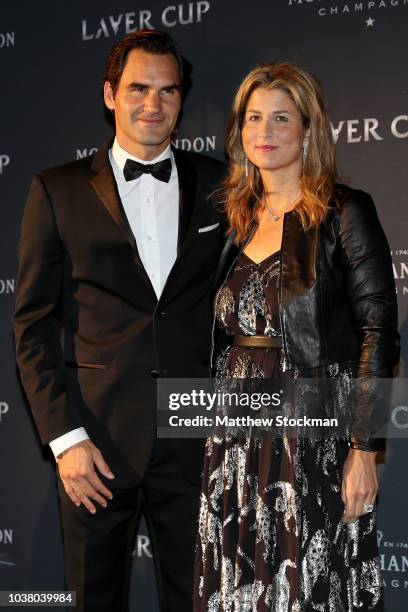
[[187, 193], [104, 184]]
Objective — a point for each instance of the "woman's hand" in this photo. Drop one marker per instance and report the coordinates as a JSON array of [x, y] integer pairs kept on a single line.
[[360, 483]]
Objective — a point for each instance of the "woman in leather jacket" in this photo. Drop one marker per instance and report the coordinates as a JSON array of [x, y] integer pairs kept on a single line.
[[304, 289]]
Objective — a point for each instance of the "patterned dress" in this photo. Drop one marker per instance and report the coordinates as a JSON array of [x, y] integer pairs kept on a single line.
[[270, 533]]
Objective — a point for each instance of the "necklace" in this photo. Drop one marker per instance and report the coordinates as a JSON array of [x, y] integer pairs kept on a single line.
[[277, 217]]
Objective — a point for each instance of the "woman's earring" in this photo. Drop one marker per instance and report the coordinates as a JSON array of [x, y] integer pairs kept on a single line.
[[246, 167], [305, 147]]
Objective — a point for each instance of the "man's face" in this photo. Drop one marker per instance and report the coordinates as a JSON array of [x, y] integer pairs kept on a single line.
[[146, 103]]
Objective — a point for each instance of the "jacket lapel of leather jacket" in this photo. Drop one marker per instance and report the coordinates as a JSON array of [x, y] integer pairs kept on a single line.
[[298, 259], [298, 274]]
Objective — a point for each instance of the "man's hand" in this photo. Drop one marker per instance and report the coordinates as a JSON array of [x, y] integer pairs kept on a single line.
[[76, 468], [360, 484]]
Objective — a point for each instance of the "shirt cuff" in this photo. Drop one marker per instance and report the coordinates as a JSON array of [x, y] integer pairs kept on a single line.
[[62, 443]]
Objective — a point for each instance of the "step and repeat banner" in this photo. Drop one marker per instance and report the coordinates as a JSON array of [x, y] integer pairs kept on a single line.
[[52, 57]]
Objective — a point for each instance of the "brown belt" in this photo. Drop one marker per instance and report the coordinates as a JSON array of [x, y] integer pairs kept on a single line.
[[265, 342]]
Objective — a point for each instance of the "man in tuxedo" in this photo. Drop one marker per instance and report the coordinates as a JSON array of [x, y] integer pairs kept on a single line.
[[118, 251]]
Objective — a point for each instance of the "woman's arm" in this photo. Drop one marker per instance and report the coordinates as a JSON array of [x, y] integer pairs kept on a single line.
[[370, 289]]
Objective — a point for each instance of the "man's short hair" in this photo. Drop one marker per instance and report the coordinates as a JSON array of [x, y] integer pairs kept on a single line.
[[150, 41]]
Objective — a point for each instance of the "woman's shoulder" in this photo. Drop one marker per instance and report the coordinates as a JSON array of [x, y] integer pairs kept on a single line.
[[352, 205], [353, 218]]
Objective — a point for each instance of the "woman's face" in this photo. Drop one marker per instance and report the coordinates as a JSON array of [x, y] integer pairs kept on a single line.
[[273, 132]]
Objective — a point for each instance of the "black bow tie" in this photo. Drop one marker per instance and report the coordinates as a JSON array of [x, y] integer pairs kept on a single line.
[[160, 170]]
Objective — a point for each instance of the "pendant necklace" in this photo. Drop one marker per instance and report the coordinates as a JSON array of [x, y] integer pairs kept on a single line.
[[277, 217]]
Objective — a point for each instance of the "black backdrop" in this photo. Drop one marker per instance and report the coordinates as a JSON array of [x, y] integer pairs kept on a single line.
[[52, 58]]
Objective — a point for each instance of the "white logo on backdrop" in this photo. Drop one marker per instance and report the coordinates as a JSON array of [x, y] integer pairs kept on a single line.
[[400, 269], [199, 144], [399, 417], [4, 409], [142, 547], [125, 23], [369, 129], [7, 39], [393, 558], [4, 560], [80, 153], [7, 285], [4, 161], [368, 11], [6, 536]]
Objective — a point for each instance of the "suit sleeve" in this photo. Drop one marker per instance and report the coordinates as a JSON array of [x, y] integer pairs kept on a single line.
[[371, 294], [37, 325]]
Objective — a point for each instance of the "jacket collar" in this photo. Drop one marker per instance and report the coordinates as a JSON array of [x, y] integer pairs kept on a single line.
[[292, 251], [103, 182]]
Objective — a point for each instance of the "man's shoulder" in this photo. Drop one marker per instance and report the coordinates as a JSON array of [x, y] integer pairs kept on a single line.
[[78, 169], [70, 170]]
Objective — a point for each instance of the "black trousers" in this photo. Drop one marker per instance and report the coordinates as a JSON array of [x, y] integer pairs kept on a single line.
[[98, 548]]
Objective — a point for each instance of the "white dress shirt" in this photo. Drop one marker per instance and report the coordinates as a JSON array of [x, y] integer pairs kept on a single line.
[[152, 209]]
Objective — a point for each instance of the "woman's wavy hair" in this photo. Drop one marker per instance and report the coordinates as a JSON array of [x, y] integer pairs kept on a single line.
[[243, 194]]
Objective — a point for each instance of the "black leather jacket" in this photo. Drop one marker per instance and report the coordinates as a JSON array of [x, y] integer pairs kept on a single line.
[[337, 297]]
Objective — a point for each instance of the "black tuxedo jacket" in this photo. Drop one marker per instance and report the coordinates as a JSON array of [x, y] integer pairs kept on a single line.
[[79, 271]]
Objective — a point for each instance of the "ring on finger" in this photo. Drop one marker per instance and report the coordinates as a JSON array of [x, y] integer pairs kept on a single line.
[[368, 508]]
